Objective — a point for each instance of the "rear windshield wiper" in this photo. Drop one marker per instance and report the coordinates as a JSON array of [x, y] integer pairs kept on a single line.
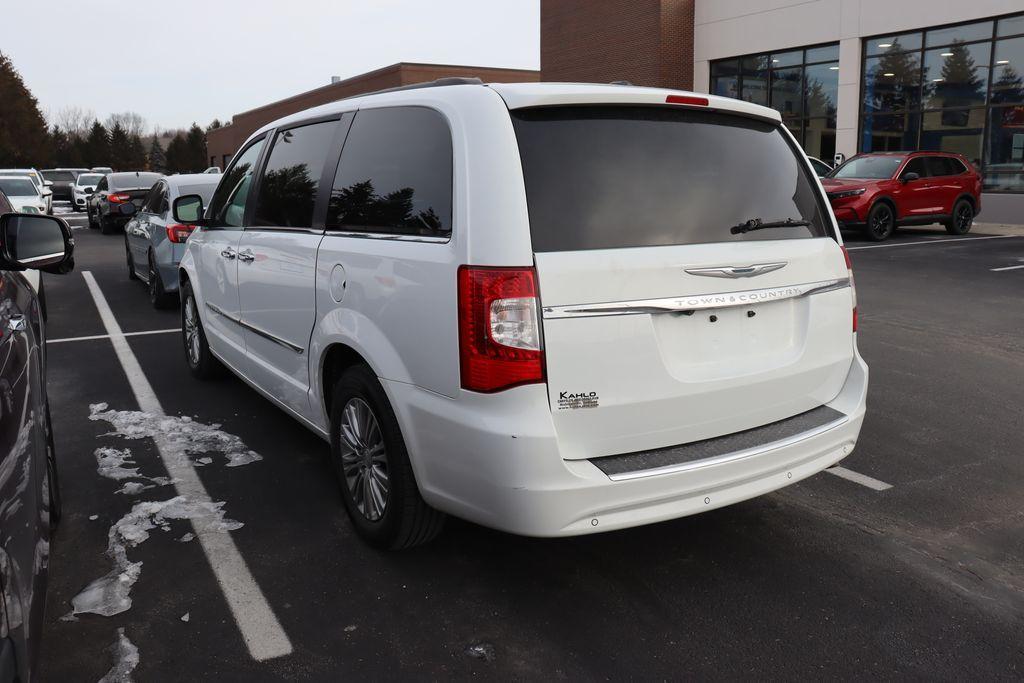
[[758, 224]]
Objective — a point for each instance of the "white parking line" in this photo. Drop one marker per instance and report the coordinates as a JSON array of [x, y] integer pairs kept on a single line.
[[107, 336], [260, 628], [858, 478], [996, 270], [922, 243]]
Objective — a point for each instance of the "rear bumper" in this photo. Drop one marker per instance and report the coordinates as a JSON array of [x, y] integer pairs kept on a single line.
[[494, 460]]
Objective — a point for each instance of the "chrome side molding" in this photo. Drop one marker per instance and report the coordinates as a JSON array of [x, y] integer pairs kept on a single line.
[[683, 304], [252, 328]]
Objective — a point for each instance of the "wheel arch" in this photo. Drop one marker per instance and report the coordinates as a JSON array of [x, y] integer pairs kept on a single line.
[[970, 200], [335, 360]]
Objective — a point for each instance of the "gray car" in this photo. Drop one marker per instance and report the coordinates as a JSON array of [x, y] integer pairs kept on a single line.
[[154, 242]]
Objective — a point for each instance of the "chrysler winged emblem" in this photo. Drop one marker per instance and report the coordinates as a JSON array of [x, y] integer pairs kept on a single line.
[[737, 271]]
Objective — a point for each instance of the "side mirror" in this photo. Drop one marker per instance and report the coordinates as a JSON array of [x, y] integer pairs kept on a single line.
[[907, 177], [188, 209], [36, 241], [47, 183]]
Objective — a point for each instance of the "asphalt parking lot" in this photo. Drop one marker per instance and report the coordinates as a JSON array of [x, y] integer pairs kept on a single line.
[[914, 568]]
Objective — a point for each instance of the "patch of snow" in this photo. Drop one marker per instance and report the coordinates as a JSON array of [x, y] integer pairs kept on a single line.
[[133, 488], [110, 594], [111, 464], [184, 434], [70, 616], [185, 617], [350, 628], [483, 651], [126, 658], [93, 518], [187, 537]]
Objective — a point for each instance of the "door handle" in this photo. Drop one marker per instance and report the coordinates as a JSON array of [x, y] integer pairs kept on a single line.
[[228, 253], [246, 256], [16, 323]]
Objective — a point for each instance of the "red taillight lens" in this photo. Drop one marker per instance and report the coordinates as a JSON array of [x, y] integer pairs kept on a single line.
[[687, 99], [118, 198], [178, 233], [853, 287], [499, 328]]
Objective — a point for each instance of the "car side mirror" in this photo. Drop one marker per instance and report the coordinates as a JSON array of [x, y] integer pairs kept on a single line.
[[48, 183], [188, 209], [907, 177], [36, 241]]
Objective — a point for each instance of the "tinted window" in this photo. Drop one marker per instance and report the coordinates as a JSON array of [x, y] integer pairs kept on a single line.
[[916, 165], [152, 203], [102, 184], [132, 181], [58, 176], [607, 177], [228, 206], [288, 188], [88, 179], [5, 205], [874, 168], [395, 174], [938, 166]]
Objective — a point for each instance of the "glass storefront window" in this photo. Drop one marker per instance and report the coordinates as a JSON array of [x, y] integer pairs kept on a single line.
[[890, 133], [725, 78], [890, 44], [954, 130], [821, 89], [828, 53], [956, 76], [781, 59], [1008, 72], [963, 33], [787, 91], [820, 138], [1004, 150], [954, 88], [755, 80], [1011, 26], [892, 82]]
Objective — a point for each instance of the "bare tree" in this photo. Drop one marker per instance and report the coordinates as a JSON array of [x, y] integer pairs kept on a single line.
[[74, 120], [133, 123]]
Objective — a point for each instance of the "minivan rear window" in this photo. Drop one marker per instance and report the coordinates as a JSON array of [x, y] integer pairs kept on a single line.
[[609, 177]]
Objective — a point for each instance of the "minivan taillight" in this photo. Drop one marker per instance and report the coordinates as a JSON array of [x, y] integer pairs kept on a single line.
[[853, 287], [178, 233], [499, 328]]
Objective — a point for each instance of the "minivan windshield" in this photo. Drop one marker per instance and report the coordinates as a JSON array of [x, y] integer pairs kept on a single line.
[[869, 168], [614, 176]]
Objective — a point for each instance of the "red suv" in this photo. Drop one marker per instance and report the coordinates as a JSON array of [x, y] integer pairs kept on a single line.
[[877, 192]]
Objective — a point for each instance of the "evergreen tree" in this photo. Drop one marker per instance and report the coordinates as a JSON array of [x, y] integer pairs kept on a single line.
[[156, 159], [176, 159], [79, 151], [24, 137], [119, 149], [61, 145], [135, 155], [1009, 87], [196, 143], [96, 150], [960, 84]]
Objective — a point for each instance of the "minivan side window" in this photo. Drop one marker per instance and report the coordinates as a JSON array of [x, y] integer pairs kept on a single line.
[[395, 175], [227, 210], [288, 188]]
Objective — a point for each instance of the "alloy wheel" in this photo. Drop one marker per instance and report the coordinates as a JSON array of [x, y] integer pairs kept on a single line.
[[881, 222], [192, 330], [364, 459], [964, 216]]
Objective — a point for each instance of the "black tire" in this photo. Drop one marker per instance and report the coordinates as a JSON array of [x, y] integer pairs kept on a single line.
[[130, 260], [962, 219], [106, 227], [158, 296], [56, 508], [92, 223], [406, 520], [202, 363], [881, 222]]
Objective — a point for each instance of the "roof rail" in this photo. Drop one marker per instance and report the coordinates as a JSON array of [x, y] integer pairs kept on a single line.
[[440, 82]]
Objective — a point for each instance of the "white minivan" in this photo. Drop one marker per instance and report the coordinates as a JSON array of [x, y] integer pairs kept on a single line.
[[551, 309]]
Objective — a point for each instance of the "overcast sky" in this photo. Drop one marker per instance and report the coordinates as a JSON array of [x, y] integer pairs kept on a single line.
[[180, 61]]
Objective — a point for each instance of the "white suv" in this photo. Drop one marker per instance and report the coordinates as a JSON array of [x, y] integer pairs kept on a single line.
[[551, 309]]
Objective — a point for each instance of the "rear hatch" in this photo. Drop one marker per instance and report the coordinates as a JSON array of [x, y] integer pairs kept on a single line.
[[661, 325]]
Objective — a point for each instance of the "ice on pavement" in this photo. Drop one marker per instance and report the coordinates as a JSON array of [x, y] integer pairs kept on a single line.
[[184, 434], [111, 593], [185, 617], [126, 658], [119, 465]]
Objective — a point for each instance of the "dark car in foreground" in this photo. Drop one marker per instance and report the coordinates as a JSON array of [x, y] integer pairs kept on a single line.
[[116, 199], [880, 191], [29, 493]]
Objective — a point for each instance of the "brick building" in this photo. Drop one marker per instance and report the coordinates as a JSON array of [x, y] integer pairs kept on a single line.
[[222, 143]]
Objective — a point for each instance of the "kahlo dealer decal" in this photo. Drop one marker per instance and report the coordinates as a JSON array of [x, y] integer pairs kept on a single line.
[[570, 401]]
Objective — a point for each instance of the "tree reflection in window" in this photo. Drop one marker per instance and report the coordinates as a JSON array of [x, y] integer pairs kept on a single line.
[[359, 207]]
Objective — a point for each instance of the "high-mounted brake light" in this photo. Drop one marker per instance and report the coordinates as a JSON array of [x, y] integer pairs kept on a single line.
[[499, 328], [687, 99], [119, 198], [178, 233], [853, 287]]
